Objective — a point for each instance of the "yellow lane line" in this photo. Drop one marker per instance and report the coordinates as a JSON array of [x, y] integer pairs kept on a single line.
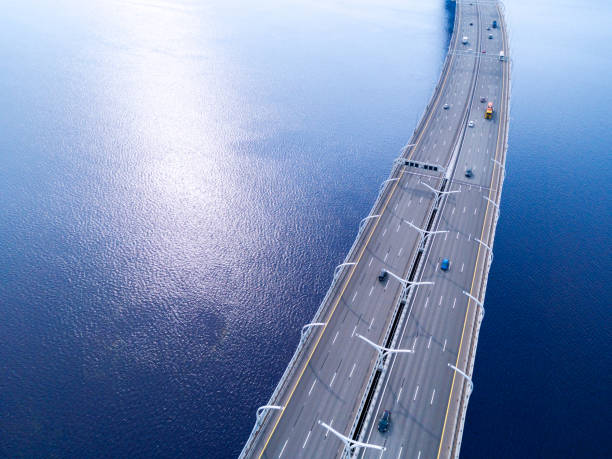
[[476, 266], [360, 255]]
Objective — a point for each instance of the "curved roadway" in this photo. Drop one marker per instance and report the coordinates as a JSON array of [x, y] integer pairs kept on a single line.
[[332, 371]]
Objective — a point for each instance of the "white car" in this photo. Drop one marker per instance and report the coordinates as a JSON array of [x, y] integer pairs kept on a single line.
[[471, 123]]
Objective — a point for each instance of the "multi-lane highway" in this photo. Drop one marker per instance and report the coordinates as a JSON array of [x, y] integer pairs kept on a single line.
[[427, 211]]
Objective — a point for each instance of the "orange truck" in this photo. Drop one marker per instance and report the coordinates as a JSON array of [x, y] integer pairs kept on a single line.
[[489, 111]]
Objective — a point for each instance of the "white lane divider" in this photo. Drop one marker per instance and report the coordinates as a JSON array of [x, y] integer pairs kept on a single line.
[[400, 251], [330, 424], [454, 301], [333, 379], [283, 448], [399, 395], [386, 255], [353, 334], [312, 387], [352, 369], [415, 393], [306, 441], [433, 394], [335, 337], [370, 261], [444, 348], [440, 302], [384, 232], [354, 296], [371, 290], [429, 344], [462, 265]]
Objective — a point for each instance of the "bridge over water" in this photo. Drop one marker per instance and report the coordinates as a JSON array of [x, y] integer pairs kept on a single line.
[[407, 342]]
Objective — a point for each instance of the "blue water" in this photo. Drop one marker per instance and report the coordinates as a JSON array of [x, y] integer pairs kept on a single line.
[[178, 180]]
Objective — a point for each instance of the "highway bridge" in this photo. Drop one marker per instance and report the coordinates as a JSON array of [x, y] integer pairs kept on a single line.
[[406, 341]]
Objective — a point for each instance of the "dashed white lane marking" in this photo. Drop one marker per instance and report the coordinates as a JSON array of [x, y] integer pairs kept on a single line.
[[462, 265], [454, 301], [429, 343], [333, 379], [421, 200], [306, 441], [371, 323], [384, 232], [414, 343], [330, 424], [370, 261], [354, 296], [475, 210], [386, 255], [352, 369], [419, 456], [399, 395], [444, 348], [470, 237], [457, 235], [464, 209], [415, 393], [440, 302], [283, 448], [400, 452], [395, 208], [445, 236], [400, 251], [353, 334], [433, 394], [426, 301], [336, 337], [398, 227], [409, 202], [312, 387], [371, 290]]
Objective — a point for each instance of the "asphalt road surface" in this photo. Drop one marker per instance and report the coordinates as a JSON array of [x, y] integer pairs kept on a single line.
[[331, 373]]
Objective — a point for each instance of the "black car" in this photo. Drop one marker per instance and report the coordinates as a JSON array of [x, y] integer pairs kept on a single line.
[[469, 173], [385, 420], [382, 276]]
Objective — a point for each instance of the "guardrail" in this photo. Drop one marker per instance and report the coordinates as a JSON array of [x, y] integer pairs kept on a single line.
[[460, 422]]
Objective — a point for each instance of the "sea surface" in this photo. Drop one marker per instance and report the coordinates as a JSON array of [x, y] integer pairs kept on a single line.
[[178, 180]]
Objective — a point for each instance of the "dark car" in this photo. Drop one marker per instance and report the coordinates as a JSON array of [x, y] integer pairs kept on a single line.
[[469, 173], [385, 420], [382, 276], [445, 264]]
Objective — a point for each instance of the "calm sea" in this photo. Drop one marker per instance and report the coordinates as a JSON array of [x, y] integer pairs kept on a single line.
[[178, 180]]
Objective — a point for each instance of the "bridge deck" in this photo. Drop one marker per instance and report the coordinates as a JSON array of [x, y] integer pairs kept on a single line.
[[332, 371]]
